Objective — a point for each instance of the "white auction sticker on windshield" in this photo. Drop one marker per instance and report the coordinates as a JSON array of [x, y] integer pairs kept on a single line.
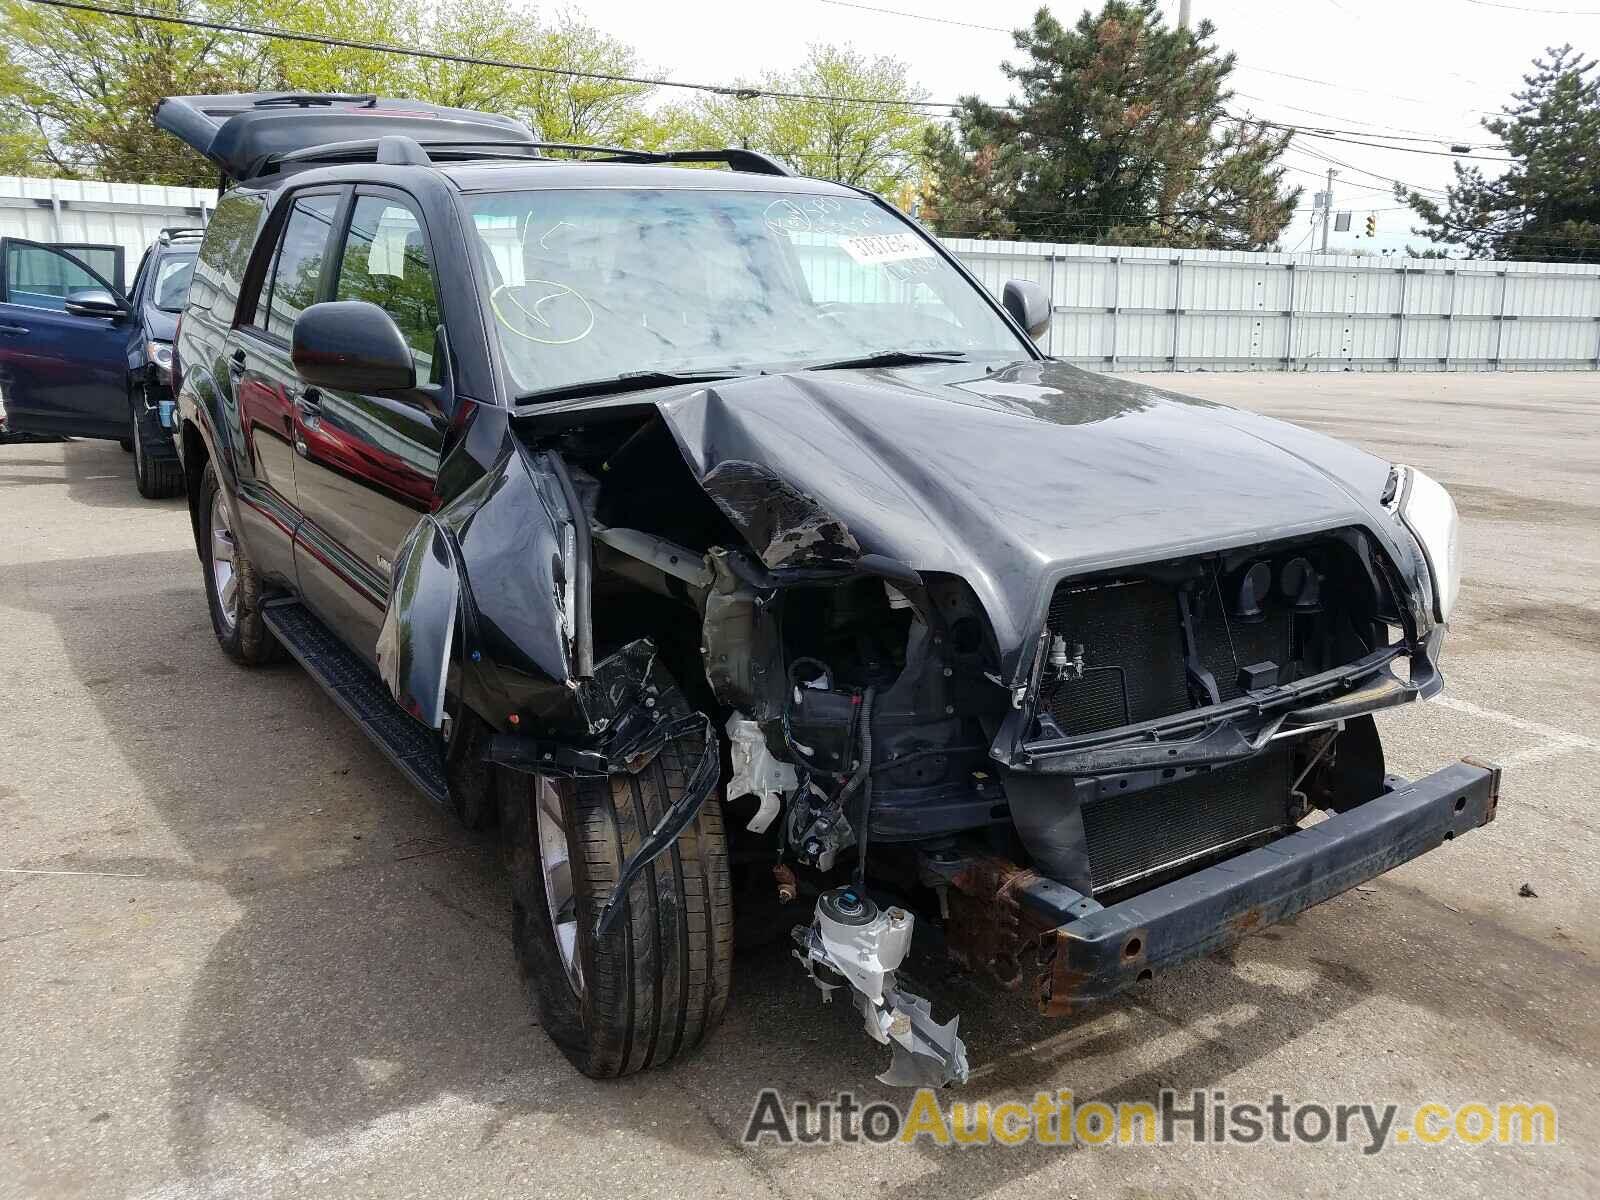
[[871, 249]]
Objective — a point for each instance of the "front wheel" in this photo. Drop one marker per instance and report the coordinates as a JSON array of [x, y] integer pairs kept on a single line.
[[233, 590], [156, 469], [657, 984]]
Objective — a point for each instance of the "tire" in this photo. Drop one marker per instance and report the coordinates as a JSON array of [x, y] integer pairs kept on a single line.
[[156, 469], [242, 634], [468, 772], [657, 984]]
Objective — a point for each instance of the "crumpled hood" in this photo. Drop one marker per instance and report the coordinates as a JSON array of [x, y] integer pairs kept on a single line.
[[1016, 479]]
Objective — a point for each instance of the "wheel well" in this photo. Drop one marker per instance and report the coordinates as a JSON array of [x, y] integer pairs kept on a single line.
[[195, 457]]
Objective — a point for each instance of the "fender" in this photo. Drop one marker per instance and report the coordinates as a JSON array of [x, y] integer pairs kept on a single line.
[[495, 567], [196, 401]]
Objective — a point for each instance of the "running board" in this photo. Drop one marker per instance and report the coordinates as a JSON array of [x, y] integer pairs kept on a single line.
[[343, 675]]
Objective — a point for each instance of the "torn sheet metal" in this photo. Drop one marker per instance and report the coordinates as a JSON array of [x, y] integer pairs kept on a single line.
[[501, 542], [632, 708], [783, 527]]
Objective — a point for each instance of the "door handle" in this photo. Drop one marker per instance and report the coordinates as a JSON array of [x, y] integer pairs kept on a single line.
[[308, 407], [13, 330]]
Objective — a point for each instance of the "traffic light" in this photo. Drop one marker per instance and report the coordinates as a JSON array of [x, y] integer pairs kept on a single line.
[[1372, 225]]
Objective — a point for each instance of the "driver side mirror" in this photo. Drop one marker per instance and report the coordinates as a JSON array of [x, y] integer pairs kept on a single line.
[[351, 346], [1028, 306], [94, 302]]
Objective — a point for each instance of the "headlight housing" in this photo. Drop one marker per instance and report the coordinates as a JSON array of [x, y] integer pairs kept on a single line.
[[1430, 515], [160, 355]]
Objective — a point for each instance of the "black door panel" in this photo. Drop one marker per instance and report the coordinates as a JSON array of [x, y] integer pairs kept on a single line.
[[367, 464], [257, 370]]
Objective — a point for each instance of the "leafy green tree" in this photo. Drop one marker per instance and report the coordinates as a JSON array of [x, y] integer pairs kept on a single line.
[[86, 84], [22, 146], [876, 146], [1547, 203], [1120, 133], [77, 89], [588, 111]]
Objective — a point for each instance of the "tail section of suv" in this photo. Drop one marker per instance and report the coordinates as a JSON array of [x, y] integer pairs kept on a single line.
[[713, 528]]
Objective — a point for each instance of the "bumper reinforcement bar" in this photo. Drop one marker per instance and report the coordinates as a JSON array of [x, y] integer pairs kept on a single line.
[[1107, 949]]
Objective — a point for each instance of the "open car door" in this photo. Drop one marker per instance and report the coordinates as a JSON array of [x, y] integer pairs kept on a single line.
[[64, 333]]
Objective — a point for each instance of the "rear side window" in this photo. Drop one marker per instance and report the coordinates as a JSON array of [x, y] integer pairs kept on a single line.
[[225, 253], [386, 262], [296, 275]]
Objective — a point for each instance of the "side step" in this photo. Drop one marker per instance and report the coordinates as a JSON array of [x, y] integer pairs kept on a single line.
[[343, 675]]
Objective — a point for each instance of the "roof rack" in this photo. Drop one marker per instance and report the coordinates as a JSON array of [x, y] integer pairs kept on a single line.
[[173, 233], [399, 150]]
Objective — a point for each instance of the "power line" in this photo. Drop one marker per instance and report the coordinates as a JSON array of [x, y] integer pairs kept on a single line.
[[1552, 12], [915, 16], [1392, 132], [895, 12], [1313, 153], [1319, 130], [721, 89], [1323, 135], [1420, 137]]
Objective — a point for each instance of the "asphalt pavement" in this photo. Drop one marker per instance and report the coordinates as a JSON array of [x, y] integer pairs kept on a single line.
[[238, 956]]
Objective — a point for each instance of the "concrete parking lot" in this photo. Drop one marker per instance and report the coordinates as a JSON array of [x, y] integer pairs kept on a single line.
[[239, 957]]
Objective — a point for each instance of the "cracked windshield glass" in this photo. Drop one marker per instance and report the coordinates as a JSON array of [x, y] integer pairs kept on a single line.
[[588, 285]]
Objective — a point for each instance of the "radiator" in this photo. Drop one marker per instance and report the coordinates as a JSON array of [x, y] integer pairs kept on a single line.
[[1135, 834]]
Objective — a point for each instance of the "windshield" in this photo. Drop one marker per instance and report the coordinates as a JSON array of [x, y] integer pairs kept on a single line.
[[170, 287], [587, 285]]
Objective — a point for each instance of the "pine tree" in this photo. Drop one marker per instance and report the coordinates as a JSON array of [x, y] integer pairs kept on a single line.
[[1120, 134], [1547, 205]]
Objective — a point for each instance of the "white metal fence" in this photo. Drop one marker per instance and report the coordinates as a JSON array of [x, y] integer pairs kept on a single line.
[[1119, 308], [129, 215], [1148, 309]]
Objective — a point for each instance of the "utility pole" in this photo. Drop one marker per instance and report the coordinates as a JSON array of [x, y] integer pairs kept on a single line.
[[1183, 14], [1327, 210]]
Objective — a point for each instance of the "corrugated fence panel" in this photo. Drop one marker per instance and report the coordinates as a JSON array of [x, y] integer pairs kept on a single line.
[[1113, 307], [1147, 308], [129, 215]]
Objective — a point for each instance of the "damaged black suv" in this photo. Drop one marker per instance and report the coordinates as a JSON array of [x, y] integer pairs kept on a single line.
[[711, 527]]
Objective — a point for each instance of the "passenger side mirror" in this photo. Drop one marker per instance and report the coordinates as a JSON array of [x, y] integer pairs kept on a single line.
[[1028, 306], [352, 346], [94, 302]]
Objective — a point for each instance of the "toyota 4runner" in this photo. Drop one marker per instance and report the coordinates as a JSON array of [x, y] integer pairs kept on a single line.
[[703, 526]]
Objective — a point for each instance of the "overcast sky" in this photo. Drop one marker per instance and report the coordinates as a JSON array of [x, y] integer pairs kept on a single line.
[[1421, 67]]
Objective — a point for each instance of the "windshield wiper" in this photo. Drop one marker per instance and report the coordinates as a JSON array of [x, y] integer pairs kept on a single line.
[[616, 385], [890, 358]]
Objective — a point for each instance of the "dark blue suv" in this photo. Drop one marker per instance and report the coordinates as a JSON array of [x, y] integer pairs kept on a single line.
[[79, 358]]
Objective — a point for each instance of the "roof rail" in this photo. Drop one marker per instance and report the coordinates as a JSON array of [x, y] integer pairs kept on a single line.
[[173, 233], [403, 151], [397, 150], [751, 162]]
